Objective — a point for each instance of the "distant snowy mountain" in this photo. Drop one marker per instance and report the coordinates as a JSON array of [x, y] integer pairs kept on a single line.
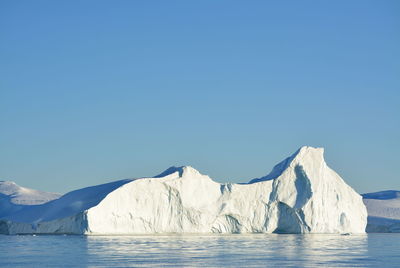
[[69, 204], [14, 198], [383, 211], [300, 195], [24, 196]]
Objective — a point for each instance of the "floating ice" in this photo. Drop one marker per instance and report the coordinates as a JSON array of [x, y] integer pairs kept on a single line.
[[301, 195]]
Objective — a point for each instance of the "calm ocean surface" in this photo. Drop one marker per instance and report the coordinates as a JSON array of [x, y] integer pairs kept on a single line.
[[259, 250]]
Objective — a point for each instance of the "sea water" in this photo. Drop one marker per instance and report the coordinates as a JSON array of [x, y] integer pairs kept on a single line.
[[257, 250]]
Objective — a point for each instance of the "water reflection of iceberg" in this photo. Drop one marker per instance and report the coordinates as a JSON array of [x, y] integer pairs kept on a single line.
[[219, 250]]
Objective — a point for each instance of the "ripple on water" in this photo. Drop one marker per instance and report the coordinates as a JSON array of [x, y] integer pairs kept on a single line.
[[256, 250]]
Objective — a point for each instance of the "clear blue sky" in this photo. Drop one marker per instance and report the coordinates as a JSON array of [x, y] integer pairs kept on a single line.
[[94, 91]]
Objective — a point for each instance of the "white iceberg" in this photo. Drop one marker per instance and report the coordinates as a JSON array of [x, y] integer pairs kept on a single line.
[[301, 195], [383, 211]]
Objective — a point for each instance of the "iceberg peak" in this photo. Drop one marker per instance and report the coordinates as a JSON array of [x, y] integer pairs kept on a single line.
[[304, 153], [182, 171], [309, 150]]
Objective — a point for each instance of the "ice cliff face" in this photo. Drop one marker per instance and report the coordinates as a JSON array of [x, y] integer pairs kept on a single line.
[[301, 195]]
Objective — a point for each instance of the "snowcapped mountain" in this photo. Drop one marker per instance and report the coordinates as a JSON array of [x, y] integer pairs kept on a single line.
[[67, 205], [14, 198], [24, 196], [300, 195], [383, 211]]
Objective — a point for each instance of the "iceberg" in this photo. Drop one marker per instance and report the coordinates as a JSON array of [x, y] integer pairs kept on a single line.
[[383, 211], [300, 195]]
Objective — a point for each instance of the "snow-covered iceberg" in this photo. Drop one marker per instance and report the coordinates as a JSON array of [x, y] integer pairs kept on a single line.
[[300, 195], [383, 211]]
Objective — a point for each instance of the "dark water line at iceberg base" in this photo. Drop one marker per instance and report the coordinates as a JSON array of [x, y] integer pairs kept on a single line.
[[270, 250]]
